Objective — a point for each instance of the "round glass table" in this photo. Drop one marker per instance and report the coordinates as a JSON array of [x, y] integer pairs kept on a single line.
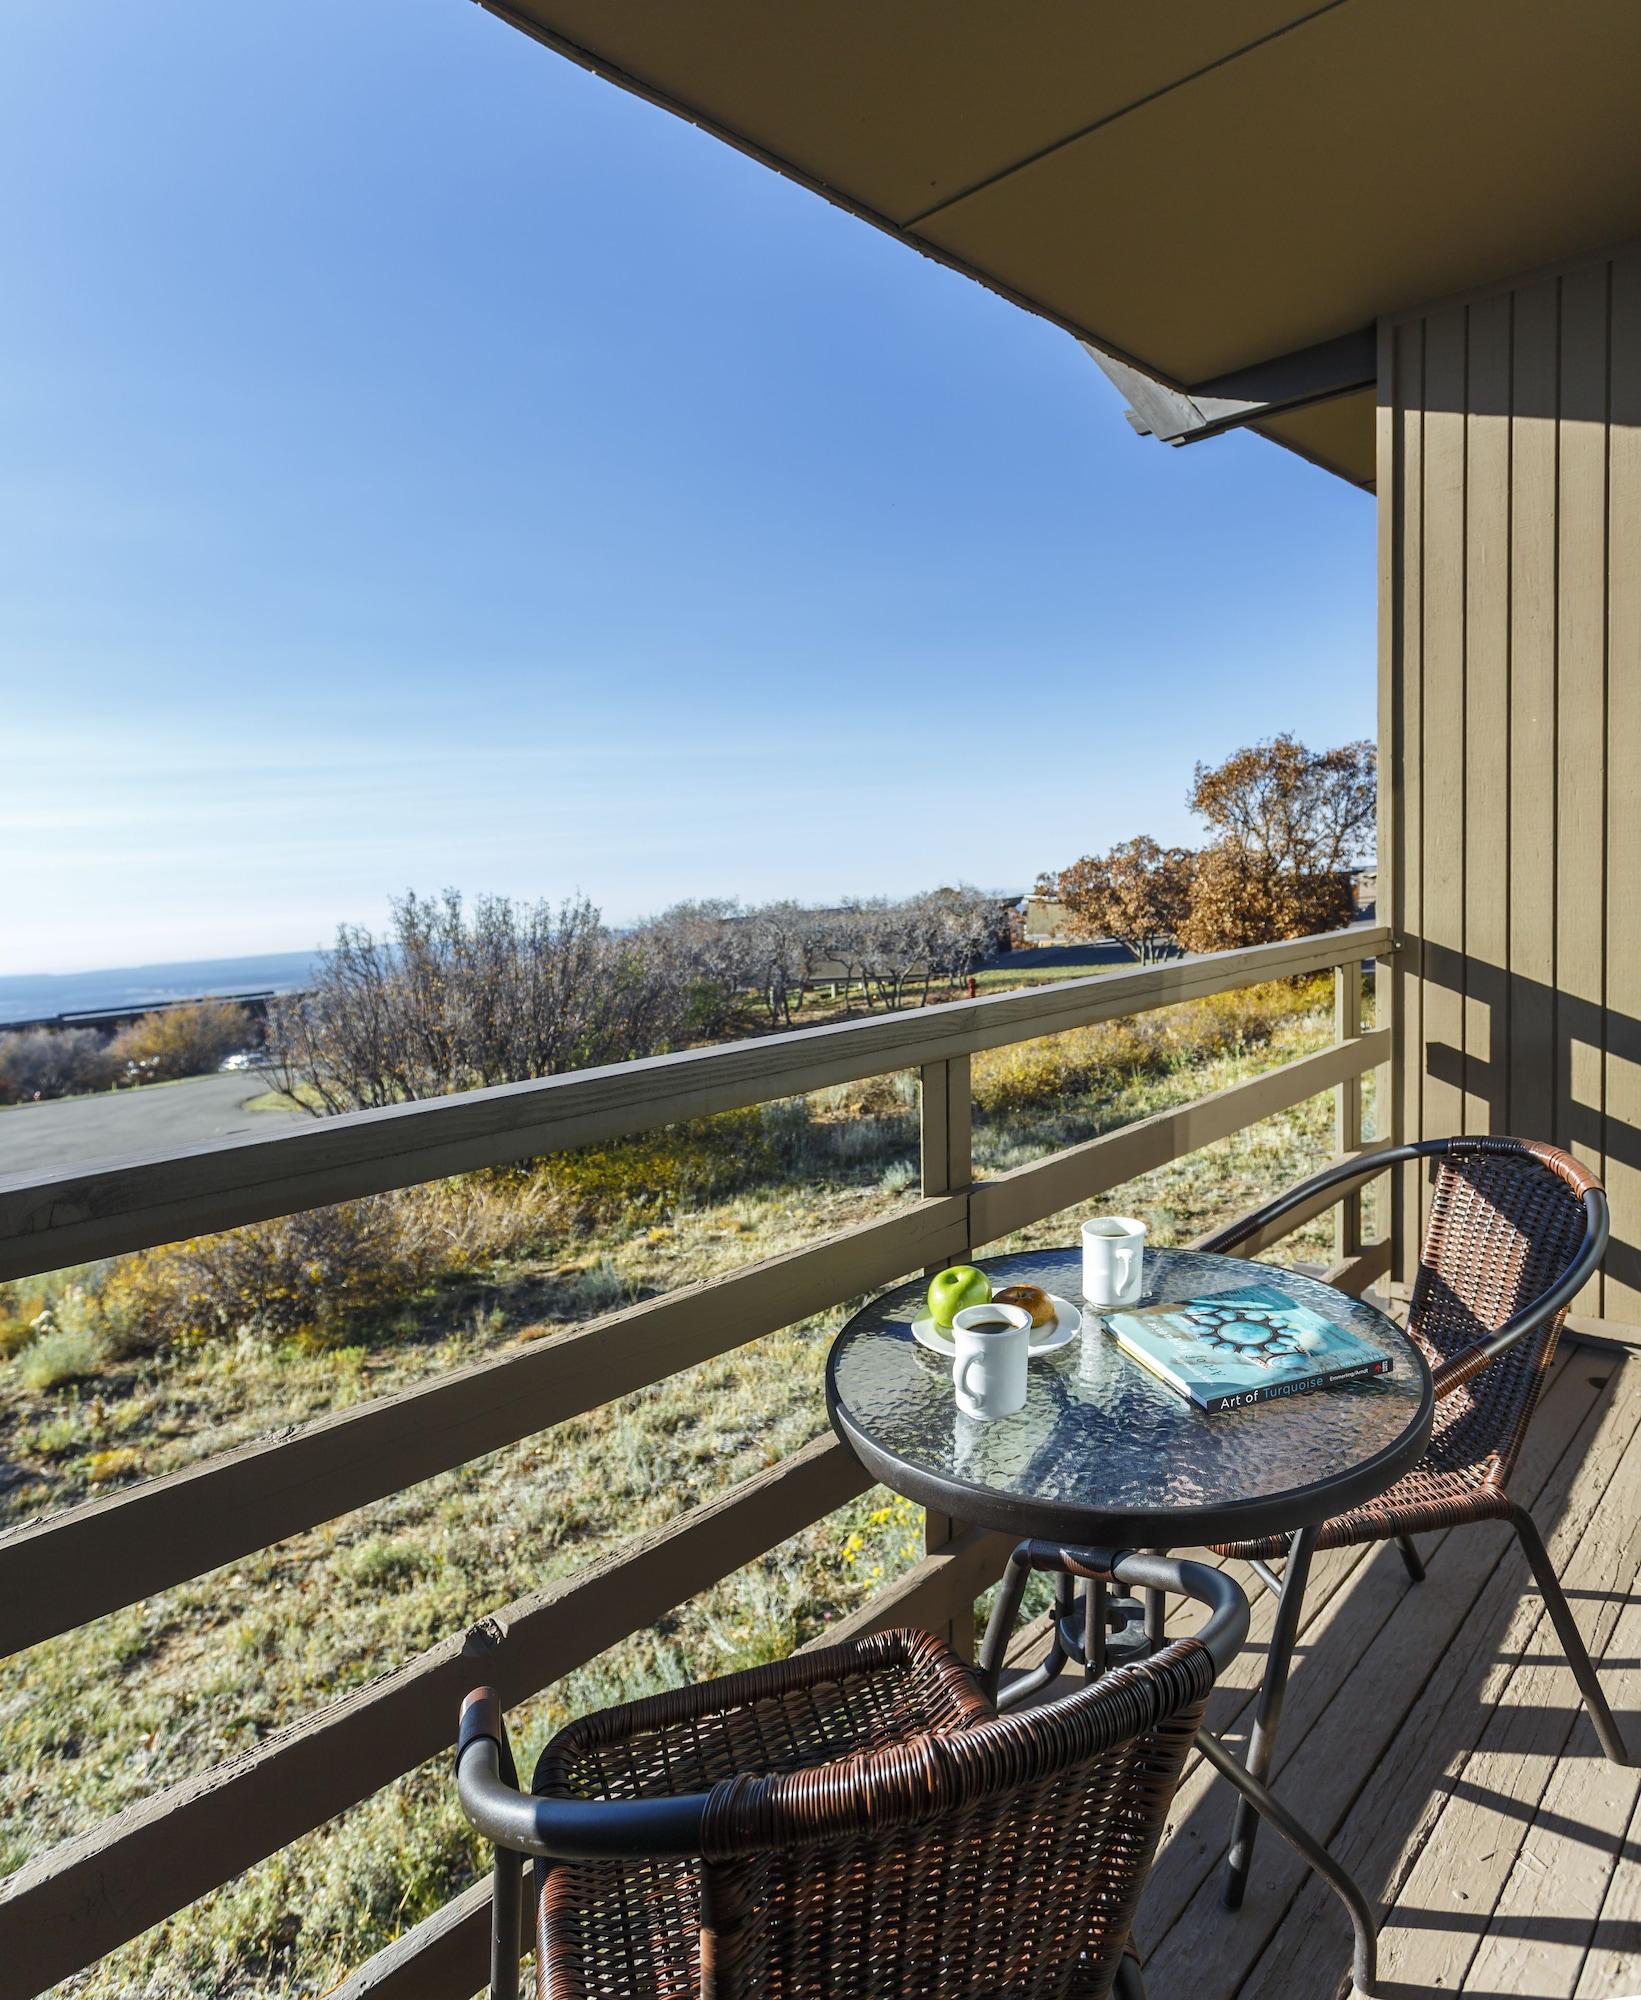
[[1104, 1453], [1106, 1456]]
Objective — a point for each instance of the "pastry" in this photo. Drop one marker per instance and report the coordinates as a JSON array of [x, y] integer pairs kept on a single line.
[[1032, 1298]]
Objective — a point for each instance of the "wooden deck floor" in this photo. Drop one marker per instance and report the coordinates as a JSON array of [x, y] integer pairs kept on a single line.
[[1433, 1737]]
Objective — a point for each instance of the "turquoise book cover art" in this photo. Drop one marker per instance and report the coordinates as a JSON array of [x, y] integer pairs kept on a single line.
[[1245, 1346]]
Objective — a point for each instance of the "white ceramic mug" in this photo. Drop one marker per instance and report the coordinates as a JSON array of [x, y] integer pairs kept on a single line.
[[989, 1374], [1113, 1260]]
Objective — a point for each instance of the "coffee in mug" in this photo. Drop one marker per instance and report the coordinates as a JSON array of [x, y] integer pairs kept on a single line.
[[989, 1374]]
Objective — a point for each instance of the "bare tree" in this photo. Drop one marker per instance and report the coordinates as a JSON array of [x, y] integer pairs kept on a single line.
[[840, 940], [706, 943], [51, 1062], [961, 928], [448, 1001], [780, 941]]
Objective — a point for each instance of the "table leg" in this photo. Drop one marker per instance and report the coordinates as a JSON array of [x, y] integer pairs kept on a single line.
[[1000, 1627], [1093, 1631], [1268, 1713], [1156, 1614]]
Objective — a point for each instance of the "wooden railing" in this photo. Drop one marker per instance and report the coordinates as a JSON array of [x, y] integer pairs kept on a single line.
[[73, 1904]]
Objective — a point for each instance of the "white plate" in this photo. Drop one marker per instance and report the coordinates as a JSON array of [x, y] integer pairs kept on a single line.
[[1068, 1323]]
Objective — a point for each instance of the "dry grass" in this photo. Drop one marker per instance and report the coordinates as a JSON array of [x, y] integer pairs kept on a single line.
[[166, 1688]]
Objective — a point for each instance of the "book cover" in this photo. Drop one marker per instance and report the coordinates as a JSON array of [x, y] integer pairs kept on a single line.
[[1247, 1346]]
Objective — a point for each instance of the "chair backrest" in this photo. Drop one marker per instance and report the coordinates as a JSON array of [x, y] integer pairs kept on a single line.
[[1006, 1857], [1507, 1218]]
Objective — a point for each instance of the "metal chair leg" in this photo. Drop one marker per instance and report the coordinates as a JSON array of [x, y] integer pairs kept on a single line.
[[1411, 1559], [1572, 1640], [1310, 1850], [1129, 1983], [1268, 1713], [1266, 1575], [506, 1907], [1048, 1669]]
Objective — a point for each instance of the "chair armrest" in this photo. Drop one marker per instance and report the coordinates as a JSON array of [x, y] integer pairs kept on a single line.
[[558, 1829], [1339, 1175], [1460, 1368], [635, 1780]]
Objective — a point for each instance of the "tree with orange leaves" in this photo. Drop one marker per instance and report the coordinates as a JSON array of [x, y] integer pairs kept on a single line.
[[1138, 894], [1291, 823]]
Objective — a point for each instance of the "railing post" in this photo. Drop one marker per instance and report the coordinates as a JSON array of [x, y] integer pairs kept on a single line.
[[946, 1161], [1347, 1106], [1389, 1122]]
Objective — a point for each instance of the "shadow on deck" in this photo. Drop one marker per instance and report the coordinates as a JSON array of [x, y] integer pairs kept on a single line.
[[1433, 1737]]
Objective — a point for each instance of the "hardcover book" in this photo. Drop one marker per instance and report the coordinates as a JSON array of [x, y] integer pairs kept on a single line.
[[1247, 1346]]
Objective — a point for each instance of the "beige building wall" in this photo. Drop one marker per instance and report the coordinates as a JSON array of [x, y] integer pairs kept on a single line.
[[1510, 842]]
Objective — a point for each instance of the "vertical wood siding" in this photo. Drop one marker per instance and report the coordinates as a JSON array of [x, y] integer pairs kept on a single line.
[[1510, 704]]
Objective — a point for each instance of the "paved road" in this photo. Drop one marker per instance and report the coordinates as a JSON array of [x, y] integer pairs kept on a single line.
[[119, 1125]]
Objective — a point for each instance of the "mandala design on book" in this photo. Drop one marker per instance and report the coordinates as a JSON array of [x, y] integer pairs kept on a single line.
[[1251, 1333]]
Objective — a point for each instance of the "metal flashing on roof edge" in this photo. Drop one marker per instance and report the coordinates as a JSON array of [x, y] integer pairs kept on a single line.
[[1225, 402]]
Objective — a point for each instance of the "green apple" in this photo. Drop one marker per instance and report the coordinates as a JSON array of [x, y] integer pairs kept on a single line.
[[952, 1290]]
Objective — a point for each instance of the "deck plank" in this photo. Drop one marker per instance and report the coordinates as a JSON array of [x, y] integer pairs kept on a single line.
[[1479, 1860], [1433, 1737], [1370, 1777], [1612, 1961], [1376, 1685], [1550, 1910]]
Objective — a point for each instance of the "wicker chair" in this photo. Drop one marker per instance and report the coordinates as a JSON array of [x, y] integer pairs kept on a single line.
[[853, 1821], [1516, 1229]]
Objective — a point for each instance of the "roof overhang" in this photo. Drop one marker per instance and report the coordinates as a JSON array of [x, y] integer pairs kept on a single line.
[[1201, 191]]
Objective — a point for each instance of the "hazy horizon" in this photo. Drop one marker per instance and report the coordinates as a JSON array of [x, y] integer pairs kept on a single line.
[[426, 464]]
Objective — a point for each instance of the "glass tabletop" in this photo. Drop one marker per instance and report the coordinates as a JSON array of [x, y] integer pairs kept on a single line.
[[1103, 1451]]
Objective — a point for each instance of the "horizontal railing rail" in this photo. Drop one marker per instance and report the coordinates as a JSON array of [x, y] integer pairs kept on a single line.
[[52, 1220], [92, 1893], [88, 1895], [76, 1565]]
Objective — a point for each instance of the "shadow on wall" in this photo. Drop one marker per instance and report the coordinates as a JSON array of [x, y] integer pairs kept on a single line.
[[1526, 1076]]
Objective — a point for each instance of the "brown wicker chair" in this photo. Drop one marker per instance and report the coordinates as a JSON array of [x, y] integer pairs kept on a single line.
[[853, 1821], [1516, 1229]]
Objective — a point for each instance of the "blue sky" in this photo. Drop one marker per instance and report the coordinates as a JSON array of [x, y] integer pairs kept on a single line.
[[422, 464]]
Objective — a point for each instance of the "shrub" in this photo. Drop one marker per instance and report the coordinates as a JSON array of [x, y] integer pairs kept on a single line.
[[59, 1355], [1102, 1057], [51, 1062], [190, 1040], [304, 1277], [118, 1463], [892, 1096], [599, 1289], [700, 1160], [385, 1564], [16, 1331]]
